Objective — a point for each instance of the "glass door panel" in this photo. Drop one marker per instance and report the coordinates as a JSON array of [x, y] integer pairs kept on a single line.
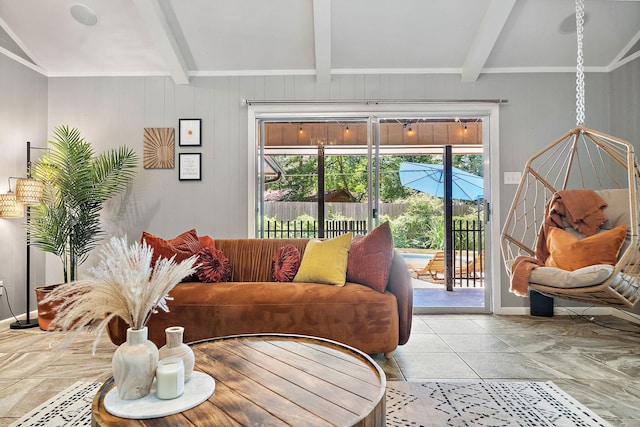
[[315, 181]]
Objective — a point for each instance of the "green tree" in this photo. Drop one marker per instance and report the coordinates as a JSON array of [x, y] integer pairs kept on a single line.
[[414, 228], [350, 173]]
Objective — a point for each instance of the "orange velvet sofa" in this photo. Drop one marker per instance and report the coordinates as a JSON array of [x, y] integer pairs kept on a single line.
[[251, 302]]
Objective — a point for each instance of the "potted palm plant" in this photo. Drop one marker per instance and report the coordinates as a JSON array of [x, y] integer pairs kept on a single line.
[[77, 183]]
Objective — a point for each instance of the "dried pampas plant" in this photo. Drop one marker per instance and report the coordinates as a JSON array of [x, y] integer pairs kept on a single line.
[[124, 284]]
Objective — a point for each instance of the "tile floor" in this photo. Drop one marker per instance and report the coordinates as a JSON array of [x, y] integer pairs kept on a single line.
[[598, 364]]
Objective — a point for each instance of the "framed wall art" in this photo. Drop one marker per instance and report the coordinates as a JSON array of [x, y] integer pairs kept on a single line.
[[158, 148], [189, 131], [189, 166]]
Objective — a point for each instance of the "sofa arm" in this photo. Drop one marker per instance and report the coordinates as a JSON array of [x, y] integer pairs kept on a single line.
[[401, 286]]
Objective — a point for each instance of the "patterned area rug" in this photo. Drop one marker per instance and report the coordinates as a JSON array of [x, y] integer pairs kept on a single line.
[[72, 407], [485, 404], [408, 404]]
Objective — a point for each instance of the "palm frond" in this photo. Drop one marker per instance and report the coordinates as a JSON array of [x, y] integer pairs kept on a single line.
[[76, 185]]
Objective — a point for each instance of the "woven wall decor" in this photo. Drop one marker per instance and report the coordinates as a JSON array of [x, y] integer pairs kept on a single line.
[[159, 152]]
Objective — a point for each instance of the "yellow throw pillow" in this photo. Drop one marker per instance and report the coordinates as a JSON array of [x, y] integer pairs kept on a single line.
[[325, 261], [570, 253]]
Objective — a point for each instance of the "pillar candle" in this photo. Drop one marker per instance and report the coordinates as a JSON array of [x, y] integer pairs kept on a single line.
[[170, 378]]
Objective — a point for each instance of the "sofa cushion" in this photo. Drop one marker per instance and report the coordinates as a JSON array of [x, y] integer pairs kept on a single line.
[[586, 276], [570, 253], [214, 266], [285, 263], [617, 209], [370, 258], [354, 314], [325, 261], [251, 258]]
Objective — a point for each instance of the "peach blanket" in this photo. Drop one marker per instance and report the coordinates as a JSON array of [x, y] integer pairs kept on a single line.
[[520, 271], [582, 209]]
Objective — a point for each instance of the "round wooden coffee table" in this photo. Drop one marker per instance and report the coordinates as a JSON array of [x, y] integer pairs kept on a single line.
[[269, 379]]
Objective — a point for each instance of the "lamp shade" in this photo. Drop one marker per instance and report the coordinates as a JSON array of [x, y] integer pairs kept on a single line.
[[10, 207], [29, 190]]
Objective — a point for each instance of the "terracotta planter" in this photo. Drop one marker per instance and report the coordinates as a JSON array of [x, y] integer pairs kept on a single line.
[[46, 312]]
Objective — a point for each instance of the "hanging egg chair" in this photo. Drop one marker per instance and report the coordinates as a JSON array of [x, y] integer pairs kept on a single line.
[[581, 159]]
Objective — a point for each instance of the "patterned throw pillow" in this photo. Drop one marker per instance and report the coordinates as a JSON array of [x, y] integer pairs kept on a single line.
[[285, 263], [214, 266]]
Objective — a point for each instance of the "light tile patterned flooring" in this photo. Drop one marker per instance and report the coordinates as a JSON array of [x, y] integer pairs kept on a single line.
[[598, 365]]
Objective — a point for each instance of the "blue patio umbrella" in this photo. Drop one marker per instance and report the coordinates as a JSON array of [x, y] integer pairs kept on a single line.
[[429, 179]]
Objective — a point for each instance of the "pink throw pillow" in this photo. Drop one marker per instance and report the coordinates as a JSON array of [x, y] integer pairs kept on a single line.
[[370, 258]]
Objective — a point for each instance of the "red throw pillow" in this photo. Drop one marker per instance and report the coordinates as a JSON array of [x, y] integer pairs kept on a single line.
[[207, 242], [286, 262], [370, 258], [214, 266], [182, 246]]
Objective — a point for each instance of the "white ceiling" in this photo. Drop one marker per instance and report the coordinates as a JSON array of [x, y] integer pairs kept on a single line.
[[185, 38]]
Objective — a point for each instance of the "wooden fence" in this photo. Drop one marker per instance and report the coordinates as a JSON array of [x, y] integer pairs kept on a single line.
[[287, 211]]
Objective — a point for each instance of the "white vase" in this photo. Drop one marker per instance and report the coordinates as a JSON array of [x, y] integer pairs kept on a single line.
[[176, 348], [134, 365]]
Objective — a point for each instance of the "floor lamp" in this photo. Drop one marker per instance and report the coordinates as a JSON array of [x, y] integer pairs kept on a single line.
[[28, 192]]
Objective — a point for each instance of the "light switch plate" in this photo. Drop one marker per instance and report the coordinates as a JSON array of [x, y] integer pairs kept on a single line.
[[512, 177]]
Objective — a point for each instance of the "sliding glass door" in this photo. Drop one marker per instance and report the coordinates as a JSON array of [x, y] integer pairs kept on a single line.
[[324, 176]]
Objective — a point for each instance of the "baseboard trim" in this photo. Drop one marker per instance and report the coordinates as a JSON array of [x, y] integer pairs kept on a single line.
[[631, 317], [4, 323]]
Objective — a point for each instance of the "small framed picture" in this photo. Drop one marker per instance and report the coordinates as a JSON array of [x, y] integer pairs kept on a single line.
[[189, 165], [189, 132]]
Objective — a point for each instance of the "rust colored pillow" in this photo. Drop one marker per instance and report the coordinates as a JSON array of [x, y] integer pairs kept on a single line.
[[214, 266], [570, 253], [370, 258], [207, 242], [285, 263], [182, 246]]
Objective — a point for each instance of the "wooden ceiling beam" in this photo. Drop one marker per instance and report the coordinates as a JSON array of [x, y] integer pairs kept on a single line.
[[322, 38], [151, 14], [492, 24]]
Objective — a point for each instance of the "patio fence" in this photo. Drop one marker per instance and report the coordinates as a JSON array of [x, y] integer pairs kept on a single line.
[[467, 238], [469, 251], [309, 229]]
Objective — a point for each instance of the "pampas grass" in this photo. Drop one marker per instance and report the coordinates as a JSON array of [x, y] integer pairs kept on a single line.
[[122, 284]]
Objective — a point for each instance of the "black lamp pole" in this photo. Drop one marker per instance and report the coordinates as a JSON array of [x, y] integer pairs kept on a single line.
[[28, 322]]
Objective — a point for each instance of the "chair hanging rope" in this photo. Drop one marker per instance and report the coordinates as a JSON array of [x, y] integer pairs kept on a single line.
[[580, 101]]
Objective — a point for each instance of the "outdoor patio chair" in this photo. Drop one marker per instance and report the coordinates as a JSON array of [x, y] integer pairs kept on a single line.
[[436, 267]]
